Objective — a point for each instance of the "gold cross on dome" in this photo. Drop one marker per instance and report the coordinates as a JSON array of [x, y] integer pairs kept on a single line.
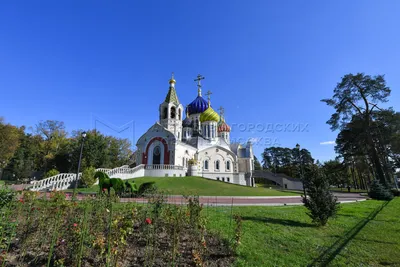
[[208, 94], [198, 80], [221, 110]]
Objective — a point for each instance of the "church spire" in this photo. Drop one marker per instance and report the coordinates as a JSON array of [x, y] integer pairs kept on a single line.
[[172, 81], [198, 80], [171, 96], [208, 94], [221, 113]]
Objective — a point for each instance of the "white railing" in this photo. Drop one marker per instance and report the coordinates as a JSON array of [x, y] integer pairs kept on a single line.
[[58, 182], [63, 181], [124, 170], [163, 167]]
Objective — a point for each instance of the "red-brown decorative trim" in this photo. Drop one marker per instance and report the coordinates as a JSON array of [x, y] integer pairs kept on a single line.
[[166, 152]]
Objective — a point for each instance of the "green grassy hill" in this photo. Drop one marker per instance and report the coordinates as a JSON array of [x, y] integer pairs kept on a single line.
[[207, 187], [202, 186]]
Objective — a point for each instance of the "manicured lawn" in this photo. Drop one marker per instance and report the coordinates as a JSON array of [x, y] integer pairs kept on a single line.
[[202, 186], [363, 234]]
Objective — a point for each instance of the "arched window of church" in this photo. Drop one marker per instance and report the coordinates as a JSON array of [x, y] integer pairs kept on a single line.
[[217, 165], [206, 164], [173, 113], [179, 113], [165, 113], [228, 165]]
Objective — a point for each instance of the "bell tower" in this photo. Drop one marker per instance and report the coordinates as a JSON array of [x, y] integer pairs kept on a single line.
[[171, 111]]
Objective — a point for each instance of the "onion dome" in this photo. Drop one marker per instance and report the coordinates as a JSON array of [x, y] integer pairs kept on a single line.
[[187, 122], [199, 105], [223, 126], [171, 96], [209, 115], [172, 80]]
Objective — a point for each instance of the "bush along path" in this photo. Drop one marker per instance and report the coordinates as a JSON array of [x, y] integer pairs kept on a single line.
[[102, 232]]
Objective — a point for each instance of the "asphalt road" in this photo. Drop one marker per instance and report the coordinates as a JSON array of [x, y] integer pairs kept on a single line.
[[245, 201]]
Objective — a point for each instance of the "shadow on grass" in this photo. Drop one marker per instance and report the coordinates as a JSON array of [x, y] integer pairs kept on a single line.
[[278, 221], [377, 241], [370, 240], [330, 253]]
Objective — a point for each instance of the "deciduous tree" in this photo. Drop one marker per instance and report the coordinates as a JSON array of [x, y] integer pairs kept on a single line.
[[9, 142]]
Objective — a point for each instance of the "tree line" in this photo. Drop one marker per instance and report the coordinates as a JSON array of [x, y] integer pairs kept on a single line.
[[48, 149], [368, 140]]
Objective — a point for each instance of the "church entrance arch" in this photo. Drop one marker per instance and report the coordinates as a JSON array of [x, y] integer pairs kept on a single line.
[[156, 155], [157, 151]]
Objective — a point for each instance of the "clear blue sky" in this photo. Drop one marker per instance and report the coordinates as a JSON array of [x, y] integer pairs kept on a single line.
[[266, 62]]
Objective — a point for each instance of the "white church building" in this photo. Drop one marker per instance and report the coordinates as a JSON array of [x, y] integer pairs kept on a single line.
[[197, 145]]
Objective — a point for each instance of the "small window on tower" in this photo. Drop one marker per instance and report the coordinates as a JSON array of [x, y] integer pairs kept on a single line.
[[165, 113], [179, 113], [173, 113]]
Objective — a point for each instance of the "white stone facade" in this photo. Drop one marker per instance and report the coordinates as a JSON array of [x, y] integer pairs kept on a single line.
[[202, 139]]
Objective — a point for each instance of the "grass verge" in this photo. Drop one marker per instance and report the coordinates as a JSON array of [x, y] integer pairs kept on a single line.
[[363, 234]]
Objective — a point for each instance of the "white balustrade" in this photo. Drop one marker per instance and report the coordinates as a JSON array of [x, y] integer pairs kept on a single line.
[[63, 181], [163, 167]]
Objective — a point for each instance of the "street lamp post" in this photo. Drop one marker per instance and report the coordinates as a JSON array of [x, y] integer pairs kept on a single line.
[[83, 135], [301, 171]]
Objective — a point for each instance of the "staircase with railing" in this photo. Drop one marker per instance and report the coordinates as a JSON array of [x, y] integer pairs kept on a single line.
[[64, 181]]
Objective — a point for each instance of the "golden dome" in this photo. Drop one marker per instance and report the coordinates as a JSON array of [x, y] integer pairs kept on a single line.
[[172, 80], [209, 115]]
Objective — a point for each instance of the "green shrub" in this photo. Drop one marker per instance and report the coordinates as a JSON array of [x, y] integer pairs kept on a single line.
[[118, 185], [379, 192], [6, 196], [104, 180], [320, 201], [131, 187], [51, 173], [147, 188], [88, 178]]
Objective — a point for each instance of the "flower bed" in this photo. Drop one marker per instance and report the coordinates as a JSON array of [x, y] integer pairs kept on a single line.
[[102, 232]]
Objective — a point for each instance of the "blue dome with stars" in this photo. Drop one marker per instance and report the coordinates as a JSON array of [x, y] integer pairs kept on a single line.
[[199, 105]]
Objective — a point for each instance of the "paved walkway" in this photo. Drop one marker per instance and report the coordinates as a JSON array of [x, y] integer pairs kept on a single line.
[[246, 201]]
